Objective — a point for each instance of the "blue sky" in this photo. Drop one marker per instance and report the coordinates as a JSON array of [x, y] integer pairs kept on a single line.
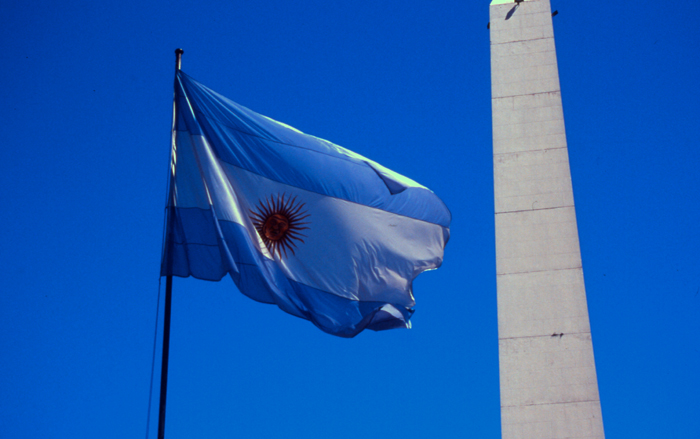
[[86, 113]]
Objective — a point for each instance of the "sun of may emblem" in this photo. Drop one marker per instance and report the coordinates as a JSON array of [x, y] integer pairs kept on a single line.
[[279, 222]]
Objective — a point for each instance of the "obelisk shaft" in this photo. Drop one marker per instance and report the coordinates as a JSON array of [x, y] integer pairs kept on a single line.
[[548, 379]]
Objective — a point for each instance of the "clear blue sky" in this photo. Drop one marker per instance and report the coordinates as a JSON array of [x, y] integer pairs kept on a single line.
[[86, 110]]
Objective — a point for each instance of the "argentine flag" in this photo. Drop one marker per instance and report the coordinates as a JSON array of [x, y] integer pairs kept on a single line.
[[325, 234]]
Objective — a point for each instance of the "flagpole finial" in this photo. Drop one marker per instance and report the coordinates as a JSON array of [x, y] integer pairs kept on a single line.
[[178, 58]]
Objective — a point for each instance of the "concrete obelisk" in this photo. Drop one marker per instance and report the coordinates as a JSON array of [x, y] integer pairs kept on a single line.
[[549, 388]]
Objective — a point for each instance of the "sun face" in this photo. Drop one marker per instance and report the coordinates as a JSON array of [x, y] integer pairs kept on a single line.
[[278, 222]]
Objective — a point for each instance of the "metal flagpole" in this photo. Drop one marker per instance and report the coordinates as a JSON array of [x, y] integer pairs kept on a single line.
[[168, 299], [164, 364]]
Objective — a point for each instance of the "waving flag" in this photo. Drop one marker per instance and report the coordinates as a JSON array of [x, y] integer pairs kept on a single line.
[[324, 233]]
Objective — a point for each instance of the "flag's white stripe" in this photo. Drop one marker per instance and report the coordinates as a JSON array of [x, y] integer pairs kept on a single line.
[[351, 250], [189, 184], [205, 178]]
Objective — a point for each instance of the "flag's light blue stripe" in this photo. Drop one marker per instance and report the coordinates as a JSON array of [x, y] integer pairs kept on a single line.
[[260, 145]]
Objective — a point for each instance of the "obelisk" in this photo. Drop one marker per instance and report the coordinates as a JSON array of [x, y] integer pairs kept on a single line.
[[549, 388]]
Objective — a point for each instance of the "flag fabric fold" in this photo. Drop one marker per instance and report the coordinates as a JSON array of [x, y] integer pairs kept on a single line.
[[325, 234]]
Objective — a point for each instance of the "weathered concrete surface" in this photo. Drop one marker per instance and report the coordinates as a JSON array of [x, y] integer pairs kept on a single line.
[[549, 388]]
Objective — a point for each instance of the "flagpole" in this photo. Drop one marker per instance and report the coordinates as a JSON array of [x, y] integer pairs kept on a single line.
[[166, 351], [168, 301]]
